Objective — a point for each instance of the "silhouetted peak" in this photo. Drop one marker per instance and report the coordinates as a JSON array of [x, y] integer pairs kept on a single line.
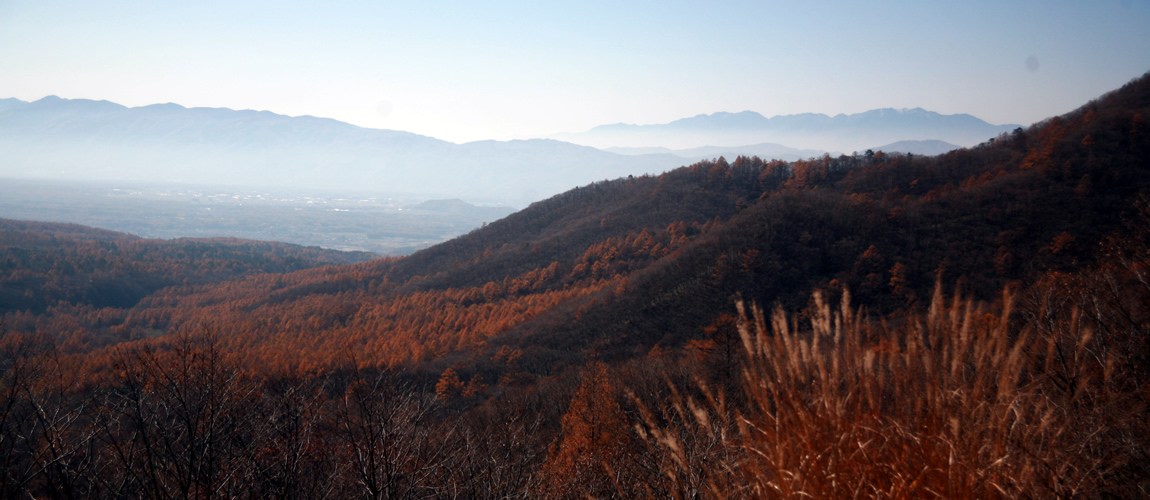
[[168, 106], [53, 101]]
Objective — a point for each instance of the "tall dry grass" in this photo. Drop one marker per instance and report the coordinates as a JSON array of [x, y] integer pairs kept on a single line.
[[961, 401]]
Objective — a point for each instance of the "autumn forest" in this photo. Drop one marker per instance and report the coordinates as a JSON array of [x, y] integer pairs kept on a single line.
[[969, 325]]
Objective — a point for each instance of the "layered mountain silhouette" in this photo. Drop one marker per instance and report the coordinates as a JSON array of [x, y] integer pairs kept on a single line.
[[930, 148], [457, 206], [79, 139], [765, 150], [846, 133]]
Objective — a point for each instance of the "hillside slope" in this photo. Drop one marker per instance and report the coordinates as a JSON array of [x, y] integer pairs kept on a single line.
[[51, 265], [613, 269]]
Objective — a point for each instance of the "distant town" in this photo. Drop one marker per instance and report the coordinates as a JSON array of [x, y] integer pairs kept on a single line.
[[378, 224]]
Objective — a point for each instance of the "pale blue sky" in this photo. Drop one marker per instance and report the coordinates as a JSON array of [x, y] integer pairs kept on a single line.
[[464, 70]]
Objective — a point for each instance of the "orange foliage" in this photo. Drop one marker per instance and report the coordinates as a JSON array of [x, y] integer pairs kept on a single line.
[[594, 437]]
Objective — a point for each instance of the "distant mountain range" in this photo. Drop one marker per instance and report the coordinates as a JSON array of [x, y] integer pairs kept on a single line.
[[79, 139], [764, 150], [846, 133], [769, 150], [929, 148]]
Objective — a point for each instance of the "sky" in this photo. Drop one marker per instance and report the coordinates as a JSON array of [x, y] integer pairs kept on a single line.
[[465, 71]]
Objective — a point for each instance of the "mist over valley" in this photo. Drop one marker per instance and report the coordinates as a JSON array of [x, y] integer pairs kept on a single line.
[[168, 171]]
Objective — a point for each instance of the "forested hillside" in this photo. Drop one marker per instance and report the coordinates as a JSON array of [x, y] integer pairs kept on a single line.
[[618, 267], [49, 264], [591, 343]]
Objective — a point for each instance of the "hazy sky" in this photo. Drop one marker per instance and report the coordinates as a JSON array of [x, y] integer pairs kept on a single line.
[[470, 70]]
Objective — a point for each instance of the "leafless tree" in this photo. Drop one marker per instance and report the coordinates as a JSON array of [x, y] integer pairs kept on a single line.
[[385, 433], [177, 426]]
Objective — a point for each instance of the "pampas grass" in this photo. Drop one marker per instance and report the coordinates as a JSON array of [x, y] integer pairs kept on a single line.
[[960, 401]]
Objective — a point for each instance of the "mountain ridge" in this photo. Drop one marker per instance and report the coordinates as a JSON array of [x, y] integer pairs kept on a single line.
[[766, 150], [844, 132], [926, 147], [754, 118], [56, 138]]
